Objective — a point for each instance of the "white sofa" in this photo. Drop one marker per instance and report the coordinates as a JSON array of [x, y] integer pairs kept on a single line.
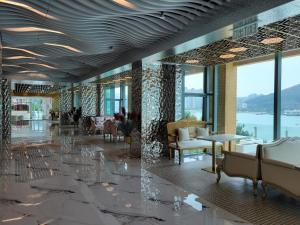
[[192, 143], [280, 165]]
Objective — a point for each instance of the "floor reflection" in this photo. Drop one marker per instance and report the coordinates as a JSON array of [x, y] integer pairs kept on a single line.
[[74, 179]]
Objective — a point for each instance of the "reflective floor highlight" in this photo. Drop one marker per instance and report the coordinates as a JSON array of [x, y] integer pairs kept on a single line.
[[74, 179]]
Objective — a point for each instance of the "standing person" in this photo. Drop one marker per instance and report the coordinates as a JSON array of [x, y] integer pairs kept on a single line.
[[76, 118]]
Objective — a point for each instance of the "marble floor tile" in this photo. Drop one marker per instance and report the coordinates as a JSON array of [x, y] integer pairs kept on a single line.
[[95, 185]]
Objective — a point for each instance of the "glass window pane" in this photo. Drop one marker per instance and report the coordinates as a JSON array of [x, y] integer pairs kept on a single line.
[[117, 106], [290, 101], [117, 92], [255, 100], [193, 107], [108, 108], [193, 83]]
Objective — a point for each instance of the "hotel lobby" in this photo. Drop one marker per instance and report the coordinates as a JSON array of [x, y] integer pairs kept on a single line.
[[134, 112]]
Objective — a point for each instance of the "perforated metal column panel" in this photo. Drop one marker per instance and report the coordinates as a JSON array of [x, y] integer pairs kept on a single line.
[[98, 99], [136, 88], [89, 100], [158, 108], [6, 108], [178, 92], [65, 105], [102, 100]]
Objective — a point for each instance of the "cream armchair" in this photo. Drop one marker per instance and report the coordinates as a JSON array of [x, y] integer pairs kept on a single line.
[[240, 164], [280, 165]]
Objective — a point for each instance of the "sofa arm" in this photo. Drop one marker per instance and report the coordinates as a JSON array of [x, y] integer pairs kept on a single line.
[[240, 155], [280, 163]]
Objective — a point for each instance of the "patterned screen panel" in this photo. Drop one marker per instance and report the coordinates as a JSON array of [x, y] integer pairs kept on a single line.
[[158, 107], [89, 100], [287, 29], [6, 108], [65, 101]]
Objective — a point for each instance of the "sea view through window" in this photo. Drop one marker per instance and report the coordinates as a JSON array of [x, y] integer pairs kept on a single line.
[[255, 99]]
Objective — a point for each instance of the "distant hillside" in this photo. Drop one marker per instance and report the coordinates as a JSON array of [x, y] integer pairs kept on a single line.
[[264, 103]]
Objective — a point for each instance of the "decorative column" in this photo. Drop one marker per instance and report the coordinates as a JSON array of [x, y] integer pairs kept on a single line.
[[89, 100], [136, 89], [158, 108], [6, 108], [65, 105], [88, 103], [98, 100], [179, 88], [102, 100]]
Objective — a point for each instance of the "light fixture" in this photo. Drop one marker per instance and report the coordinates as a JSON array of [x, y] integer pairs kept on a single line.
[[238, 49], [24, 50], [31, 29], [64, 46], [8, 65], [37, 75], [42, 64], [162, 15], [28, 71], [270, 41], [18, 57], [125, 3], [12, 219], [24, 6], [227, 56], [192, 61]]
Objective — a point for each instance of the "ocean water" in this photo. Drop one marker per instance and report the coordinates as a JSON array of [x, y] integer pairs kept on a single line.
[[290, 125]]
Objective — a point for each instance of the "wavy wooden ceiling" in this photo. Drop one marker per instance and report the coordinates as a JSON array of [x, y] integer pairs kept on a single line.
[[66, 40]]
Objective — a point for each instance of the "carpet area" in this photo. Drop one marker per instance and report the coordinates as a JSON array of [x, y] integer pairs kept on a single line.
[[232, 194]]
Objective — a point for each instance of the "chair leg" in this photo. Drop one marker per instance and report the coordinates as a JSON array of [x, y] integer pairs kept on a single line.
[[218, 174], [255, 187], [265, 190], [179, 153], [170, 153]]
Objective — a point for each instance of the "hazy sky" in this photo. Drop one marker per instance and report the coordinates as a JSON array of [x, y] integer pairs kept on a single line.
[[259, 77]]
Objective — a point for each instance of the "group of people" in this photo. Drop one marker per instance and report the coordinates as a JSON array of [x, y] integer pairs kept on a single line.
[[75, 115]]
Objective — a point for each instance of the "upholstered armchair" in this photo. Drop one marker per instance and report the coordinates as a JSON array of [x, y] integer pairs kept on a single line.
[[280, 165], [240, 164]]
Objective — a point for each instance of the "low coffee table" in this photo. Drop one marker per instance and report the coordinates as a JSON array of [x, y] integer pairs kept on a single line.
[[219, 138]]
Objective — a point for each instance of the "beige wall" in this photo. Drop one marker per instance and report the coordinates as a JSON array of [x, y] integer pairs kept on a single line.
[[227, 98]]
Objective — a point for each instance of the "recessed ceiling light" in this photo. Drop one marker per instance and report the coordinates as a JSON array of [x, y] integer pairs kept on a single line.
[[270, 41], [24, 50], [192, 61], [42, 64], [64, 46], [238, 49], [31, 29], [8, 65], [28, 71], [24, 6], [124, 3], [18, 57], [227, 56]]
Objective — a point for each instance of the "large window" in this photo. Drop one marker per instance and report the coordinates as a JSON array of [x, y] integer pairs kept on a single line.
[[290, 97], [193, 96], [255, 100], [116, 97]]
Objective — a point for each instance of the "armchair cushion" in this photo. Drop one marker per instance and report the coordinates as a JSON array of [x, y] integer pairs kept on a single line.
[[201, 131], [193, 144], [183, 134]]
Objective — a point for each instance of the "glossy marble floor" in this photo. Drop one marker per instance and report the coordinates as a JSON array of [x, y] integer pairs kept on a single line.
[[70, 179]]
